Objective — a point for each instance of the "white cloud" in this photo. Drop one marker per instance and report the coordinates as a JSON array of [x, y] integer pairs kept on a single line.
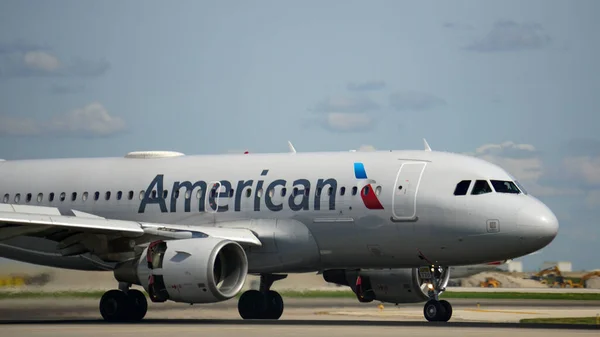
[[583, 168], [93, 120], [347, 104], [508, 35], [19, 59], [41, 60], [414, 101], [348, 122], [524, 163], [592, 199], [14, 126]]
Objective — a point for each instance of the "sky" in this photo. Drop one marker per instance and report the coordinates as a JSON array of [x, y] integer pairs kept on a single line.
[[513, 82]]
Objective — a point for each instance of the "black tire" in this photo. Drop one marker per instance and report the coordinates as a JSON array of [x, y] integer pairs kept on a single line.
[[274, 305], [138, 305], [251, 305], [448, 308], [114, 306], [434, 311]]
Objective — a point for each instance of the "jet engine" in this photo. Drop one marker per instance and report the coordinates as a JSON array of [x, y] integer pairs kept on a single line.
[[406, 285], [199, 270]]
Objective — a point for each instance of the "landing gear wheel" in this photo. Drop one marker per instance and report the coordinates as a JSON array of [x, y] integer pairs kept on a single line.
[[114, 305], [251, 305], [274, 305], [448, 308], [434, 311], [138, 305], [264, 303]]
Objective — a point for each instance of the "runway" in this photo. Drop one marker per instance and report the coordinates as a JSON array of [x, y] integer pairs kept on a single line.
[[302, 317]]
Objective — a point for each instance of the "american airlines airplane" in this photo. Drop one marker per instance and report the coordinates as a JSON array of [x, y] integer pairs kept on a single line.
[[189, 229]]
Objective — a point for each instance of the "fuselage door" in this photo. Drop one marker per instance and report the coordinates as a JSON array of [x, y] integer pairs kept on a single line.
[[404, 198]]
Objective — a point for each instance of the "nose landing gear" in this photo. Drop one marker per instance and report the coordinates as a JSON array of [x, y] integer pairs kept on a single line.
[[435, 310]]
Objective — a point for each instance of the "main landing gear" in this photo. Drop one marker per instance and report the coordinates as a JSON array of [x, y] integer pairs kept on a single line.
[[436, 310], [263, 303], [123, 305]]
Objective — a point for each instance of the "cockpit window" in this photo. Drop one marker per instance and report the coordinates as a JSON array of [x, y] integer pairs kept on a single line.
[[520, 187], [462, 187], [481, 187], [505, 187]]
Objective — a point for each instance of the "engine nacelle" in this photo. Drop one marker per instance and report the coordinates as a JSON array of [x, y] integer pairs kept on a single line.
[[406, 285], [199, 270]]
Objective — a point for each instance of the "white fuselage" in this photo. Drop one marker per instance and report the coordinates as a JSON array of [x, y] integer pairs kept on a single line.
[[312, 211]]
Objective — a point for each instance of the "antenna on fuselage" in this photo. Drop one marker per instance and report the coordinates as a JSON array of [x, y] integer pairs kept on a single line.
[[292, 149], [427, 147]]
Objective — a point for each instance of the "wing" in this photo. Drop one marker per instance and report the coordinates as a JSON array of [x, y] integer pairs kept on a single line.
[[78, 232]]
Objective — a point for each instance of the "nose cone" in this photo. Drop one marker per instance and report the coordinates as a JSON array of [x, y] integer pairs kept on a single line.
[[537, 222]]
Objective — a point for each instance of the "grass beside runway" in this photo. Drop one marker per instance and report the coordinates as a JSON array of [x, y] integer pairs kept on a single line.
[[563, 320], [21, 294]]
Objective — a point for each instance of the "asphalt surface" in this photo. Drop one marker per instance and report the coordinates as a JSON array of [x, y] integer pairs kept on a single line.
[[322, 317]]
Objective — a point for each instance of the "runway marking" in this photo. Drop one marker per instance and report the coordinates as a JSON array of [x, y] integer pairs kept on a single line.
[[357, 313], [503, 311]]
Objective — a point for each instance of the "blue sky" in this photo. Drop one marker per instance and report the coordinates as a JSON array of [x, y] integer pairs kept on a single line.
[[514, 82]]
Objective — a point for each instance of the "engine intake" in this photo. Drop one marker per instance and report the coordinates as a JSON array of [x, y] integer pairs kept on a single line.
[[199, 270], [404, 285]]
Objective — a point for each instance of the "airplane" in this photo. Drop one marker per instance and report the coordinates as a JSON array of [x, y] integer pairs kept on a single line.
[[190, 228]]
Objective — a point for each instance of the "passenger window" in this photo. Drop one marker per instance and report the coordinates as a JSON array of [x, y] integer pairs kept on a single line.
[[40, 197], [130, 195], [63, 196], [198, 194], [6, 198], [318, 191], [330, 191], [153, 194], [51, 197], [142, 194], [176, 194], [342, 190], [28, 197], [481, 187], [505, 187], [84, 196], [119, 195], [283, 191], [248, 193], [295, 191], [378, 190], [96, 195], [354, 190], [17, 198], [165, 194], [259, 193], [73, 196], [366, 190], [107, 196], [462, 187]]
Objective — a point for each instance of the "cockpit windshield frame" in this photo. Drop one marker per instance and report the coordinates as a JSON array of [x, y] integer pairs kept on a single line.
[[505, 186]]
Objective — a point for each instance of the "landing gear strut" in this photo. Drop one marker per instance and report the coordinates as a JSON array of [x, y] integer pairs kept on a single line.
[[436, 310], [123, 305], [263, 303]]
